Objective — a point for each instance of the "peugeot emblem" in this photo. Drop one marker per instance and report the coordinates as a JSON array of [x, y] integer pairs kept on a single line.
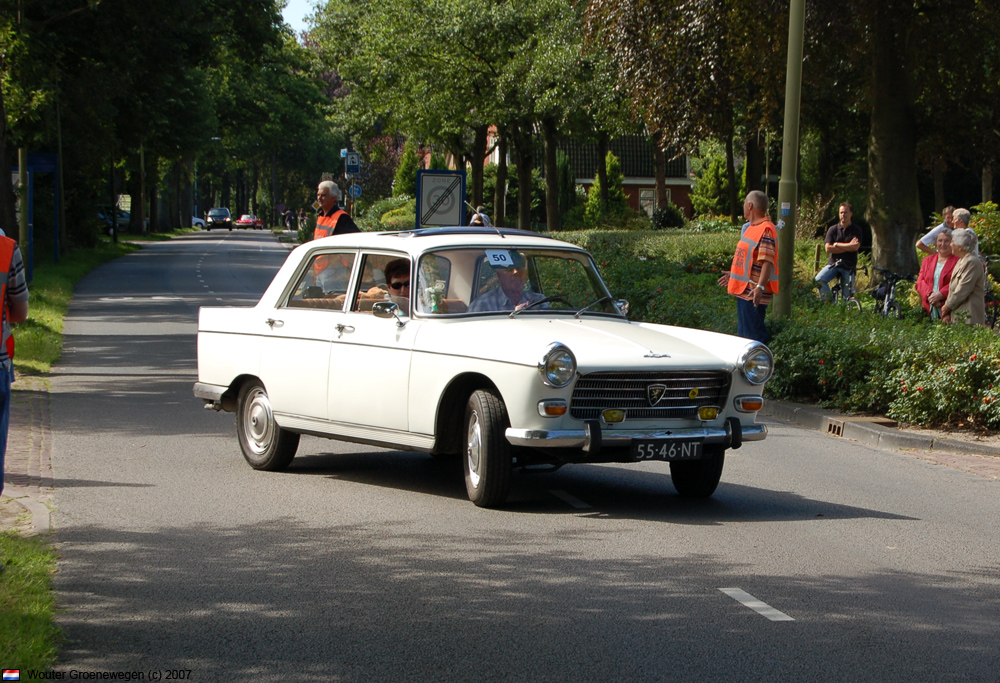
[[654, 392]]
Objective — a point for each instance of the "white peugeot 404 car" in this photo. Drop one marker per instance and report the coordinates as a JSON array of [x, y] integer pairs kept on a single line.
[[508, 349]]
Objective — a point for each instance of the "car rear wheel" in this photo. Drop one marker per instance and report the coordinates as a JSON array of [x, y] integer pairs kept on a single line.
[[699, 478], [488, 458], [265, 445]]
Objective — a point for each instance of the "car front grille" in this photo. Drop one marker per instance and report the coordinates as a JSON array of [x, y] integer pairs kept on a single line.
[[630, 391]]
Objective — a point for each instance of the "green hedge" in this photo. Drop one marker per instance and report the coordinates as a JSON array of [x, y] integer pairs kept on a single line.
[[911, 370]]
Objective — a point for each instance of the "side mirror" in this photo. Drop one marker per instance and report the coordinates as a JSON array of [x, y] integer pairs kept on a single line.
[[622, 306], [387, 309]]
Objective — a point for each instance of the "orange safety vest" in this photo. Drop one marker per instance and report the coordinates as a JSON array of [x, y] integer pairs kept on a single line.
[[743, 260], [7, 246], [325, 225]]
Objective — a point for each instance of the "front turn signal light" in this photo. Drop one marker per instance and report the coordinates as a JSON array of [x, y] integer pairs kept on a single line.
[[749, 404], [552, 407], [707, 413]]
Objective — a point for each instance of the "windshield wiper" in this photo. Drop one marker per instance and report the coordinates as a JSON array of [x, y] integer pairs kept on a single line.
[[596, 302], [539, 302]]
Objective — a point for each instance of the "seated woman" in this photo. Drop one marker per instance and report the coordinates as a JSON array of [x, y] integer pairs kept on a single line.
[[967, 290], [397, 278], [935, 275]]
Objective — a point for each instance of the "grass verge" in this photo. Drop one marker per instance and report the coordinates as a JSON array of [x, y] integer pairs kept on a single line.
[[28, 635]]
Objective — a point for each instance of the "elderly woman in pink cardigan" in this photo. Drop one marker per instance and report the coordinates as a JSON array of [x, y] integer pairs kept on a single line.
[[935, 275]]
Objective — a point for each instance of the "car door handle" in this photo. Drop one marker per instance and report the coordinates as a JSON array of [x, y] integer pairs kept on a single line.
[[341, 328], [272, 323]]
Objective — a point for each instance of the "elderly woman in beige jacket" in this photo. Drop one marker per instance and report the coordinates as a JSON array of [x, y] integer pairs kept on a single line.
[[967, 289]]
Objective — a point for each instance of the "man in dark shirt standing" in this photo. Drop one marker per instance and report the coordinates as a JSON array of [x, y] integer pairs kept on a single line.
[[332, 220], [843, 240]]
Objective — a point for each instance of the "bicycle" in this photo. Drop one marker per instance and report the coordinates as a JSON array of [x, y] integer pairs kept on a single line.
[[991, 300], [888, 306], [837, 290]]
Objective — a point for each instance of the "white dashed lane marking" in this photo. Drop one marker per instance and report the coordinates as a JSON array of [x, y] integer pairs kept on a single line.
[[573, 501], [756, 605]]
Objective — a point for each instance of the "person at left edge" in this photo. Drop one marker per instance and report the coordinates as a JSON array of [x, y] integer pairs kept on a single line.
[[753, 276], [14, 295], [331, 219]]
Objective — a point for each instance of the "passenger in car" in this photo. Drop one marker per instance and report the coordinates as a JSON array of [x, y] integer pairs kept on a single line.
[[397, 278]]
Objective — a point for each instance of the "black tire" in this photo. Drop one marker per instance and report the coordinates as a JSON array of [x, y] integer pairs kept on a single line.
[[895, 310], [487, 459], [699, 478], [265, 445], [854, 305]]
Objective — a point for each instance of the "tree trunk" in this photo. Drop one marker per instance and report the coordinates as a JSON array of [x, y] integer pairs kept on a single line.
[[552, 219], [8, 219], [660, 171], [500, 191], [187, 193], [893, 200], [477, 158], [227, 192], [735, 206], [135, 191], [756, 173], [938, 183], [522, 146], [153, 191], [987, 183], [602, 171]]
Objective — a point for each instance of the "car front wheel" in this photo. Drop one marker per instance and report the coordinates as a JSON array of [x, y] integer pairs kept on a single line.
[[699, 478], [265, 445], [487, 458]]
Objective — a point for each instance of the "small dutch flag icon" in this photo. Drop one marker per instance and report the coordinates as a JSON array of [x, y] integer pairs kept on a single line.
[[12, 674]]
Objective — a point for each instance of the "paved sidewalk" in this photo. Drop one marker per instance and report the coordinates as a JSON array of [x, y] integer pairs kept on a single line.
[[28, 463]]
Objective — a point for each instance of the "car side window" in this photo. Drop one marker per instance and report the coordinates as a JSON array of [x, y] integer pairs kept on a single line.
[[384, 277], [435, 294], [324, 282]]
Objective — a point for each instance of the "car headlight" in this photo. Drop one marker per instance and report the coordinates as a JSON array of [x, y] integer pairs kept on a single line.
[[756, 363], [558, 366]]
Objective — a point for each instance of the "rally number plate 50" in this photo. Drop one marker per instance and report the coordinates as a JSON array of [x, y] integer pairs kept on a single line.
[[662, 449]]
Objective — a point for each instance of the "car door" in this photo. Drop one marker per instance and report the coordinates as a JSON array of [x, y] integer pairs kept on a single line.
[[298, 334], [370, 361]]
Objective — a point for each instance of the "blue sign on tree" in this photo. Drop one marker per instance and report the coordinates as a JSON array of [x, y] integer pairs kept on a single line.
[[354, 191]]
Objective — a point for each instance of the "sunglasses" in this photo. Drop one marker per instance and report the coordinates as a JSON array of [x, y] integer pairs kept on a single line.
[[399, 285]]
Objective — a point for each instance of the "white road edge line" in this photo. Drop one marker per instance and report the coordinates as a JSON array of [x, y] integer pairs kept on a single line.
[[756, 605], [573, 501]]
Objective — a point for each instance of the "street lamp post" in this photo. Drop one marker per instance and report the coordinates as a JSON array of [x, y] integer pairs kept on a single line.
[[788, 186]]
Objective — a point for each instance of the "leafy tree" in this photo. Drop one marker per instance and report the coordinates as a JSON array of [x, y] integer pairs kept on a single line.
[[617, 204], [406, 174]]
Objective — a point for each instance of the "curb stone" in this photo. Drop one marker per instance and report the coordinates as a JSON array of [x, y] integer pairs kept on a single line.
[[883, 433]]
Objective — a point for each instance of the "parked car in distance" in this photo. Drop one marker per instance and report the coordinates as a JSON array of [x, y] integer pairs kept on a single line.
[[197, 222], [218, 218], [250, 222], [104, 214], [451, 366]]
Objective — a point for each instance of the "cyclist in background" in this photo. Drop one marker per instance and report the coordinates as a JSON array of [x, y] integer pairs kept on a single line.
[[843, 240]]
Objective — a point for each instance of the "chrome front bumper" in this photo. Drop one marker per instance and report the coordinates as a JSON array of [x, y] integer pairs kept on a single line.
[[593, 438]]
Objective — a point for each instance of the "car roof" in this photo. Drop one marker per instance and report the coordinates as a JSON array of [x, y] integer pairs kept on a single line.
[[429, 239]]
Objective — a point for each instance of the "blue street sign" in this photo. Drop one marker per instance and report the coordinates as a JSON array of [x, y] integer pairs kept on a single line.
[[343, 153], [354, 191], [353, 164]]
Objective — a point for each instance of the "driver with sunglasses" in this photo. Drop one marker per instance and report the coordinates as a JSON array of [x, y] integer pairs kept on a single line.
[[397, 278]]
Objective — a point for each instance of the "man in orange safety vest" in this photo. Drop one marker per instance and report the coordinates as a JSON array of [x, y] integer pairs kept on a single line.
[[753, 276]]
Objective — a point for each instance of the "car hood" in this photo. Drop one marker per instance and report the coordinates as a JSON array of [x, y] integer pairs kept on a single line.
[[598, 343]]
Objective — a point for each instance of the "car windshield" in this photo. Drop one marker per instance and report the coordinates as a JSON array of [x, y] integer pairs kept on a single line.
[[245, 217], [218, 213], [481, 281]]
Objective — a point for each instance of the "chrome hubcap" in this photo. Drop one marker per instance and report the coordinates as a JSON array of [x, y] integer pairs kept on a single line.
[[474, 449], [258, 422]]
